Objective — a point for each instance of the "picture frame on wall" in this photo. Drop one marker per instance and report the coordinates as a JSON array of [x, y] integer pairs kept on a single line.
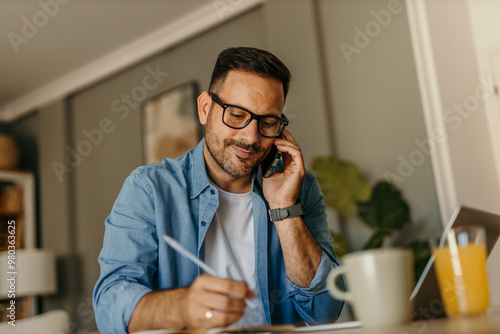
[[170, 123]]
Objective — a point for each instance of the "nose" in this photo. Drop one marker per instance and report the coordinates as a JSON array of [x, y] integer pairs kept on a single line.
[[250, 133]]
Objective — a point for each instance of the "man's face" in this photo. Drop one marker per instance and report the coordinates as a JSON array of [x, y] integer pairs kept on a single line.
[[238, 152]]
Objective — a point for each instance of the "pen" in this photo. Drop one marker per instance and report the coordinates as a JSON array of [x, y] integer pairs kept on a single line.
[[181, 250]]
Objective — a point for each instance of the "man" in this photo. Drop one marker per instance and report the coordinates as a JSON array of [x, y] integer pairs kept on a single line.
[[215, 203]]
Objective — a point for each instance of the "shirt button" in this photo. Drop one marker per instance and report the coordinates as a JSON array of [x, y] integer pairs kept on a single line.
[[212, 192], [203, 223]]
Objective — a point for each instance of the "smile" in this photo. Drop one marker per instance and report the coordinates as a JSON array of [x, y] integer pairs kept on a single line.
[[243, 153]]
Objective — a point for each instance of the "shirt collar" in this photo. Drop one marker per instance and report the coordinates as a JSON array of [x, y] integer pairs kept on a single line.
[[257, 176], [199, 177]]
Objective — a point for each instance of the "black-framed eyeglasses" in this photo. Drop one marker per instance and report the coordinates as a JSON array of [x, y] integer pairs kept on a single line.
[[237, 118]]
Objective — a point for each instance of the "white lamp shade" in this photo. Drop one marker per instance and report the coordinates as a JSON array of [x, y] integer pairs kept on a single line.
[[34, 272]]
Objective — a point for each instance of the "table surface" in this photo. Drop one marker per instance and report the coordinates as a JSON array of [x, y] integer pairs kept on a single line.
[[482, 323]]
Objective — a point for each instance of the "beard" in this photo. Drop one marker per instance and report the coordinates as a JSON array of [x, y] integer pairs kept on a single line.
[[223, 155]]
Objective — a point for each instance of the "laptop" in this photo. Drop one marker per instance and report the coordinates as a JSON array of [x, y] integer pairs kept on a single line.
[[428, 302]]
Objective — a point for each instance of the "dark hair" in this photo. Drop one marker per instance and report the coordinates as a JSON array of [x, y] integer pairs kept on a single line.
[[252, 60]]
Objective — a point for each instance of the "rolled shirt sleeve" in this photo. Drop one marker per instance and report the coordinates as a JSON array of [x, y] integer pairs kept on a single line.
[[314, 303], [128, 256]]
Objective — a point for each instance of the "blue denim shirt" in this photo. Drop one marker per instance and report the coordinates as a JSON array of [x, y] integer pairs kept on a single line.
[[177, 198]]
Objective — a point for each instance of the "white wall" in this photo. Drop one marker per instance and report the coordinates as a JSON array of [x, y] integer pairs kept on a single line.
[[485, 24], [472, 150], [485, 28], [376, 109]]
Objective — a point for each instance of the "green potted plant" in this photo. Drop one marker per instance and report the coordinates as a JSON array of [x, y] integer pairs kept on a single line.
[[348, 192], [385, 212]]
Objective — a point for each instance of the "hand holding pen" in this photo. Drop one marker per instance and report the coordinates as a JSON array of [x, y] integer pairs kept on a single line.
[[181, 250], [213, 301]]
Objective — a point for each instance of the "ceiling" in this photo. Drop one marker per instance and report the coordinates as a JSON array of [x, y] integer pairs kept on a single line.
[[42, 43]]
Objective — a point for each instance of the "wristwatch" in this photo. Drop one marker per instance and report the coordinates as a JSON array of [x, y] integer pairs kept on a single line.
[[291, 211]]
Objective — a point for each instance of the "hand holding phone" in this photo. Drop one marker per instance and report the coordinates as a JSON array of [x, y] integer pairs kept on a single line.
[[282, 189]]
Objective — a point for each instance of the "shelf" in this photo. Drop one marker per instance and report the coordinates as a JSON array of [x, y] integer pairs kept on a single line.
[[24, 202], [17, 208], [8, 212]]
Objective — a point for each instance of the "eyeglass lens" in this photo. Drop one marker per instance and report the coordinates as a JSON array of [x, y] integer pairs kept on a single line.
[[239, 118]]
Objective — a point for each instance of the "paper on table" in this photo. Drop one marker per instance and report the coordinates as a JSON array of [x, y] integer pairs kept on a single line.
[[261, 329], [329, 327], [220, 330]]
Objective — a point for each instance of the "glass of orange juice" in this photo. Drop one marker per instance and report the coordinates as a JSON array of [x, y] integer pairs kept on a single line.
[[461, 271]]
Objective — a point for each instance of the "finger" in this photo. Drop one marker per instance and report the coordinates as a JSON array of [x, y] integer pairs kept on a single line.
[[210, 309], [220, 318], [290, 149], [208, 318], [214, 300], [238, 289], [293, 159], [287, 135], [287, 145], [225, 303]]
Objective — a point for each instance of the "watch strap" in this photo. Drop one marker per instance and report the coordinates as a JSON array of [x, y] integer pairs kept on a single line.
[[288, 212]]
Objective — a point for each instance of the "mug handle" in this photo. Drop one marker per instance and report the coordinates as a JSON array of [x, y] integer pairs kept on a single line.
[[331, 283]]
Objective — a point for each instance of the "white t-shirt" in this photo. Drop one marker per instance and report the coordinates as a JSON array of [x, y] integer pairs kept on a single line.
[[230, 238]]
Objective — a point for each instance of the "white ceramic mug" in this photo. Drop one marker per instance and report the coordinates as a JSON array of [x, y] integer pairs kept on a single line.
[[379, 283]]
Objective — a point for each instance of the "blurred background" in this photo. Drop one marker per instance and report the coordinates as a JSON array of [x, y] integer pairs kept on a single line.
[[77, 79]]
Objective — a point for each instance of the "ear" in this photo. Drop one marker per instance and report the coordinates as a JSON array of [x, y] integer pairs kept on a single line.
[[204, 104]]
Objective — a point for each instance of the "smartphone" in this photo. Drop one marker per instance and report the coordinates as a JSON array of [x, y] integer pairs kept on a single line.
[[271, 161]]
